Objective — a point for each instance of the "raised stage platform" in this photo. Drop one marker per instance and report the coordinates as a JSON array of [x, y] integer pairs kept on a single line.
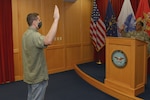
[[94, 74]]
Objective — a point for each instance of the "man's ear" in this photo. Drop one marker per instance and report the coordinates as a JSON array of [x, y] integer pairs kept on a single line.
[[34, 22]]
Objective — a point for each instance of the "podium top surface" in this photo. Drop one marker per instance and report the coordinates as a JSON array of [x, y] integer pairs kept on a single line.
[[124, 40]]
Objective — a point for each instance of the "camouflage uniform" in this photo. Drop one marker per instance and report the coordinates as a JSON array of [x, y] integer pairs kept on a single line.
[[140, 35]]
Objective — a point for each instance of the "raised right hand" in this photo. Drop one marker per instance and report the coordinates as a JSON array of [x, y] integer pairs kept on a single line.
[[56, 13]]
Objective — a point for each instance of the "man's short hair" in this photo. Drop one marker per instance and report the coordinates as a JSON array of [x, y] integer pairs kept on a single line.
[[31, 17]]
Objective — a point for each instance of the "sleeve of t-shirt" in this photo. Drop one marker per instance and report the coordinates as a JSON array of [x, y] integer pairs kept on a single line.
[[38, 40]]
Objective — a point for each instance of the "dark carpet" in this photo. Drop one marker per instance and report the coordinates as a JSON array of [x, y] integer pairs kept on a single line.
[[94, 70], [98, 72], [62, 86], [67, 86]]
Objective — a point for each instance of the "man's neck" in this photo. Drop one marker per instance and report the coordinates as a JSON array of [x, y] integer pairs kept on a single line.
[[33, 27]]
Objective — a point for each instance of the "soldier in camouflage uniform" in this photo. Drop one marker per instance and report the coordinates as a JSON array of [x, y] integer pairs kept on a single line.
[[139, 34]]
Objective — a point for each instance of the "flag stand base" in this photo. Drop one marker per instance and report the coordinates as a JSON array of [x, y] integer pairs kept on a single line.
[[99, 62]]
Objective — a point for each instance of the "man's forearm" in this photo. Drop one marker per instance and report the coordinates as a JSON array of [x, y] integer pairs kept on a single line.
[[52, 32]]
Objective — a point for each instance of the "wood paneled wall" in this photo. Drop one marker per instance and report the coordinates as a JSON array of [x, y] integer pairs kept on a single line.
[[72, 44]]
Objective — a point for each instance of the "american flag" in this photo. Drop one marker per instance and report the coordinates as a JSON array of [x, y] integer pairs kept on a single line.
[[97, 28]]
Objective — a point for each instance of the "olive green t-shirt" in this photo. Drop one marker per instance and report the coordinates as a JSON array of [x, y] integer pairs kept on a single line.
[[34, 62]]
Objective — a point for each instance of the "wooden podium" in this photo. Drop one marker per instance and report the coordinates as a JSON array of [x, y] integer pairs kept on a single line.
[[127, 75]]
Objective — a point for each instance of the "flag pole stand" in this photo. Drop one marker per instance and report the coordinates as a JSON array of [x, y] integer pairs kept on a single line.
[[99, 62]]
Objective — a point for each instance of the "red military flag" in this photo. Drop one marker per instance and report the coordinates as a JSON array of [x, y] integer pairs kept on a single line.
[[143, 7], [143, 14], [97, 28]]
